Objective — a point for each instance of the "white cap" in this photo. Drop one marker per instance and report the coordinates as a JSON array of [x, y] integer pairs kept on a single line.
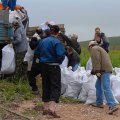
[[92, 43]]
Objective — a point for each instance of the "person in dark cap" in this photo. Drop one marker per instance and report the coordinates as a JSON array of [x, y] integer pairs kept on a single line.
[[51, 54]]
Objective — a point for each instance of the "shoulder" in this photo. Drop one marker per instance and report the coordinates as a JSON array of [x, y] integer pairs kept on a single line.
[[96, 48]]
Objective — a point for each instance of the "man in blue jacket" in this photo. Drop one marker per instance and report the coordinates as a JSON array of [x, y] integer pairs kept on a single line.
[[51, 54]]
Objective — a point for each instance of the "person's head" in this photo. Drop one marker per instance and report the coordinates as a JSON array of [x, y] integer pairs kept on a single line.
[[91, 44], [73, 37], [15, 24], [33, 43], [97, 30], [54, 29], [46, 33], [39, 31]]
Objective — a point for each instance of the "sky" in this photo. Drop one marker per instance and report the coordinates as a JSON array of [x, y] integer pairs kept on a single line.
[[79, 16]]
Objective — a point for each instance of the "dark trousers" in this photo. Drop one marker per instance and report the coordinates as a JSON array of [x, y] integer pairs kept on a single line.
[[21, 66], [35, 70], [51, 82]]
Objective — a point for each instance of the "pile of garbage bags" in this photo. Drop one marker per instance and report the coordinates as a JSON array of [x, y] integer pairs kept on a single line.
[[81, 84]]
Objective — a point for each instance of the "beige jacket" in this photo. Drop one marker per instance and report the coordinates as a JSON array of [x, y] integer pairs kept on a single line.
[[100, 60]]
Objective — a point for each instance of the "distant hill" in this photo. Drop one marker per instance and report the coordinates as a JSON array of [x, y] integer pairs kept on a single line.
[[114, 42]]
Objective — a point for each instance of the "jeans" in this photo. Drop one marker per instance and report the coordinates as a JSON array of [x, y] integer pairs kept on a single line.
[[103, 87], [74, 68]]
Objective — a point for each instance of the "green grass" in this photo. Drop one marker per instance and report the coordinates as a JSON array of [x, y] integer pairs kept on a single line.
[[69, 100], [114, 56], [18, 91], [114, 43]]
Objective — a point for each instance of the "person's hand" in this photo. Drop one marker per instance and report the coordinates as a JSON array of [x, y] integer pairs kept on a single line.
[[46, 22], [98, 74]]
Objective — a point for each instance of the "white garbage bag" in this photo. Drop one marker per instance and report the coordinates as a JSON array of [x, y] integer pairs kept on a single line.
[[89, 64], [115, 83], [8, 60], [29, 55], [64, 63], [16, 14], [88, 91], [117, 71], [45, 27], [74, 85], [65, 79]]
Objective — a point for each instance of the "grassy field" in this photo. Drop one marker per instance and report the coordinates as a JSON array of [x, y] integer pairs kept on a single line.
[[114, 43], [19, 91], [11, 90], [114, 51], [114, 55]]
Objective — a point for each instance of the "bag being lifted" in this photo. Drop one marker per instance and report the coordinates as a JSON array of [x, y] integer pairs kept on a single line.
[[8, 60]]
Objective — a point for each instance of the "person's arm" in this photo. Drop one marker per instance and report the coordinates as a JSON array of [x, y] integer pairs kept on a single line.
[[96, 60], [60, 52], [17, 38], [105, 40], [79, 49]]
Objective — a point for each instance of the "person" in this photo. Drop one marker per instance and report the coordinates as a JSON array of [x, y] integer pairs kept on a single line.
[[33, 65], [20, 45], [73, 58], [102, 68], [51, 54], [101, 39], [74, 44], [9, 4]]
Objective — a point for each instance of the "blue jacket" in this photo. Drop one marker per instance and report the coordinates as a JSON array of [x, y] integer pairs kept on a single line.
[[50, 50], [9, 3]]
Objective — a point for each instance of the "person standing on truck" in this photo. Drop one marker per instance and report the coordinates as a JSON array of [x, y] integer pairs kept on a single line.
[[20, 45], [9, 4]]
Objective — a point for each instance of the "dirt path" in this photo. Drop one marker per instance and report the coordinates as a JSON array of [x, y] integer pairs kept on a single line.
[[66, 111]]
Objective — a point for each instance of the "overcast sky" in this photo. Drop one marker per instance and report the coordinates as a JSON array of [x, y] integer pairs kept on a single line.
[[79, 16]]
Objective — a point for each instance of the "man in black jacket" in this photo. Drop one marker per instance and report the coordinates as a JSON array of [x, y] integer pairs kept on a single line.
[[101, 39]]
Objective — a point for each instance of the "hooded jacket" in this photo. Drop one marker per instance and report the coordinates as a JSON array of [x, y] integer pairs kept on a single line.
[[100, 60], [20, 40]]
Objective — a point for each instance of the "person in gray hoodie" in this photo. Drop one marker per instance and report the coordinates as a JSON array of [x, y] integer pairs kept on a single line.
[[20, 45]]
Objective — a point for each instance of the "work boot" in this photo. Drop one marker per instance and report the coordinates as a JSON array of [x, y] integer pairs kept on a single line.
[[97, 105], [113, 109]]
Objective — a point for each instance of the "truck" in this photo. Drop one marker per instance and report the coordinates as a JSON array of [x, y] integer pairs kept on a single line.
[[6, 31]]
